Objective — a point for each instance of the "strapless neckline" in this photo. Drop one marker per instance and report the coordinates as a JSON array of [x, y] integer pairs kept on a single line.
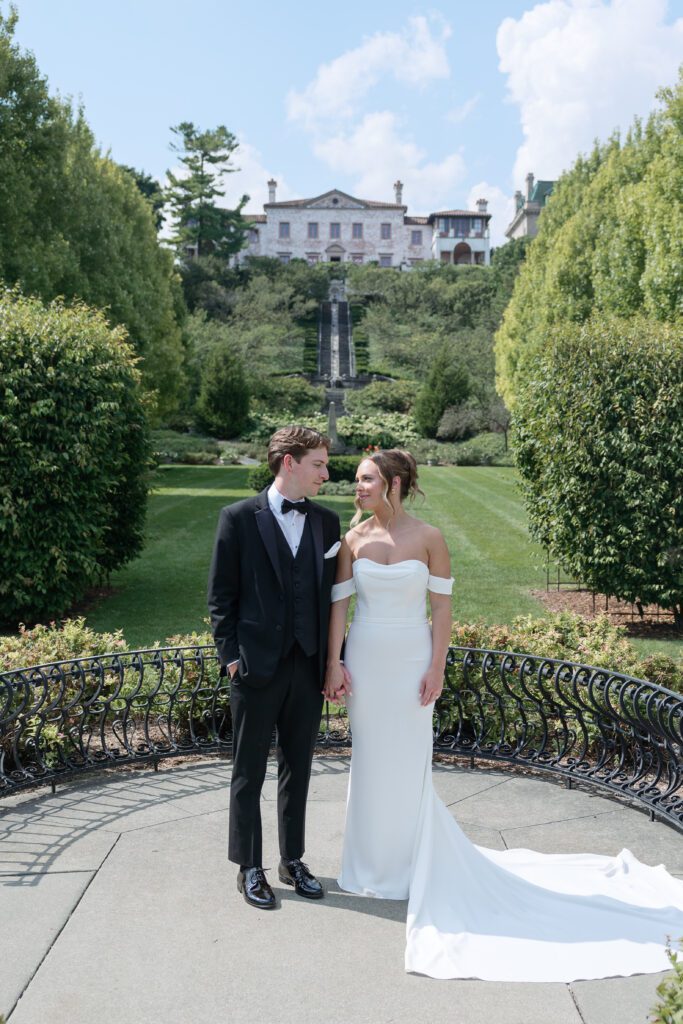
[[390, 565]]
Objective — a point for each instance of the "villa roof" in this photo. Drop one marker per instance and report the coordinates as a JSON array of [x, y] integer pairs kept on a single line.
[[335, 191], [541, 191], [255, 218], [416, 220], [458, 213]]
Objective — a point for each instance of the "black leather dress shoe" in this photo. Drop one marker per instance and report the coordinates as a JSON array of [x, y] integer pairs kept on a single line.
[[295, 872], [253, 885]]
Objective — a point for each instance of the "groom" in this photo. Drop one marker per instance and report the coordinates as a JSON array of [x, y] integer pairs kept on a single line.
[[269, 589]]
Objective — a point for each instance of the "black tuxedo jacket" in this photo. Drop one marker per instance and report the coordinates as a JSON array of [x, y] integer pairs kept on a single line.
[[245, 594]]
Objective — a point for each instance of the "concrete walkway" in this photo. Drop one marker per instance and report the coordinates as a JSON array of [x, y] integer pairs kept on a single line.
[[118, 906]]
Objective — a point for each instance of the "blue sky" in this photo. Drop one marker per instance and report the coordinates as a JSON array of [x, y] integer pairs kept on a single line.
[[457, 99]]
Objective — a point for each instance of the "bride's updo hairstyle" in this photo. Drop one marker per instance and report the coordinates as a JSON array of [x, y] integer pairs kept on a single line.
[[391, 463]]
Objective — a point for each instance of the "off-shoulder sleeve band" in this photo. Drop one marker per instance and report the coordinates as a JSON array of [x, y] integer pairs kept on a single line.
[[341, 590], [439, 585]]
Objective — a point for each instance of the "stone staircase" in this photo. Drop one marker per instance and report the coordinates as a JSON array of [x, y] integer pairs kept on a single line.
[[336, 362]]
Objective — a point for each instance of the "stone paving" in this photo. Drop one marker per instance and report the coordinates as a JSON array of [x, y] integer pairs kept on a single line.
[[118, 905]]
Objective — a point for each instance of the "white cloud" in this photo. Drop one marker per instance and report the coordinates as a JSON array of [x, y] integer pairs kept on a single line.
[[251, 178], [500, 205], [375, 154], [578, 69], [463, 110], [415, 56]]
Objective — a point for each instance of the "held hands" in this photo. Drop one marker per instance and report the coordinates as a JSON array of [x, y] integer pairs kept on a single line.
[[431, 686], [337, 682]]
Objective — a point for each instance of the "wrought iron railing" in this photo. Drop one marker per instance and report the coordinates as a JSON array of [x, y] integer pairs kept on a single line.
[[586, 724]]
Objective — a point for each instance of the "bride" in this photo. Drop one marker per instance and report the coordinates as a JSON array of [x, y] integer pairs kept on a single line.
[[514, 915]]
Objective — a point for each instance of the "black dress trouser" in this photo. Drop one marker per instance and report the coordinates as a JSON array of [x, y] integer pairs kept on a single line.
[[290, 702]]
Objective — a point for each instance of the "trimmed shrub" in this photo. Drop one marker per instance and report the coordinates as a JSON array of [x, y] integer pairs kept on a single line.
[[359, 336], [260, 477], [343, 467], [222, 408], [386, 430], [382, 396], [293, 394], [56, 642], [344, 487], [74, 455], [310, 354], [340, 467], [599, 445], [169, 446], [262, 425]]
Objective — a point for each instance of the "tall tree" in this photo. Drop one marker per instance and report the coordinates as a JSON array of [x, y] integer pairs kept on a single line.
[[202, 227], [150, 188], [73, 223], [447, 384]]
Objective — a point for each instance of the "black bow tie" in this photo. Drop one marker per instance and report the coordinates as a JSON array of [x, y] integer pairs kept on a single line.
[[293, 506]]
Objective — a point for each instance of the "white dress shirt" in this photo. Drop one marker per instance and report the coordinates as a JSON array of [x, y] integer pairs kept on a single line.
[[292, 524]]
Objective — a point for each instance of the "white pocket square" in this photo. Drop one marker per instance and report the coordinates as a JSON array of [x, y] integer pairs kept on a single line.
[[333, 550]]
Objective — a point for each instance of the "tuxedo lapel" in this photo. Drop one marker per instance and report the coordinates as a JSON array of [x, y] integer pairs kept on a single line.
[[316, 522], [265, 520]]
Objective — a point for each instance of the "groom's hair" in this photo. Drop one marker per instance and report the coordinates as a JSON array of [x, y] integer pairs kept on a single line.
[[294, 441]]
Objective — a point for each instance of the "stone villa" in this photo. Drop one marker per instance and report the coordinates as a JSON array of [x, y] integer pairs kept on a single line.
[[528, 208], [338, 228]]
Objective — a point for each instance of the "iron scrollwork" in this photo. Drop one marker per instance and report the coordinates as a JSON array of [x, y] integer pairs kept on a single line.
[[588, 724]]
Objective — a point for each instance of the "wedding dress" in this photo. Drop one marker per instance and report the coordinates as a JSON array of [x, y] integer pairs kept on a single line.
[[511, 915]]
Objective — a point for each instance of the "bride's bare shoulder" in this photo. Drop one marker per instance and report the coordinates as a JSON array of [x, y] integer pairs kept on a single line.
[[354, 536], [432, 539]]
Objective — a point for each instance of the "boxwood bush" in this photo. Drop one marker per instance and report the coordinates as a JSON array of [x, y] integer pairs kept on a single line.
[[170, 446], [599, 446], [340, 467], [74, 455]]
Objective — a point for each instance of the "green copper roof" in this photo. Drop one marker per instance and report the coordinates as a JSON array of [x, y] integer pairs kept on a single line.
[[541, 191]]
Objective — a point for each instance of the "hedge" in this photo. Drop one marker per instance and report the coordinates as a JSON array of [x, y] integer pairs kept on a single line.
[[74, 455], [599, 445]]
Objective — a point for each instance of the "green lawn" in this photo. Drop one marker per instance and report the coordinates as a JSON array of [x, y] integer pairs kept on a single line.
[[163, 592], [495, 562], [479, 510]]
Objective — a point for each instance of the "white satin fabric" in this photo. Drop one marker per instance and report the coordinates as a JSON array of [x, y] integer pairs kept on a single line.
[[472, 913]]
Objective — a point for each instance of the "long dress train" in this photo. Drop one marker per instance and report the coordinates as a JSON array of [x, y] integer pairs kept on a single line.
[[512, 915]]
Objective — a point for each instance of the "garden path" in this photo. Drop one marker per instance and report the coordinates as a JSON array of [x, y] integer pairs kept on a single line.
[[118, 905]]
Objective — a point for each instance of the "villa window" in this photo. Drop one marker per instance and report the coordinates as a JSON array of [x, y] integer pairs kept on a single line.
[[283, 229], [356, 230], [335, 230], [476, 225], [313, 257], [385, 260], [253, 235], [385, 231], [284, 257], [313, 229], [416, 238], [356, 257]]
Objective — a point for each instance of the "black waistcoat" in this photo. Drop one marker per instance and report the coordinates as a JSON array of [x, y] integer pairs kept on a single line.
[[301, 592]]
